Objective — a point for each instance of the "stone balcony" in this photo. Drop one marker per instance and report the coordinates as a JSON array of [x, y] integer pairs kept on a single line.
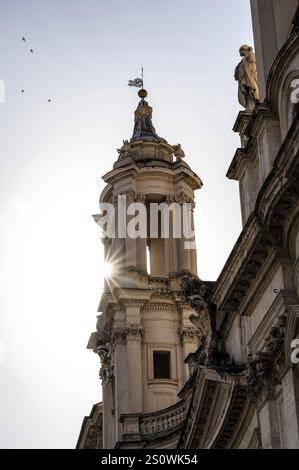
[[159, 285], [153, 426]]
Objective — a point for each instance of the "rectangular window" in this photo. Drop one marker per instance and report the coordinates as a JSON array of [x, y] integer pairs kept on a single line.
[[162, 364]]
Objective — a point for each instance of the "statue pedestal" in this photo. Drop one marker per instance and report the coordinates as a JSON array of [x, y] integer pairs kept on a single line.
[[241, 125]]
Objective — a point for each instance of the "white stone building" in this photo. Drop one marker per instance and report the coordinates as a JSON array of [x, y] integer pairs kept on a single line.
[[190, 364]]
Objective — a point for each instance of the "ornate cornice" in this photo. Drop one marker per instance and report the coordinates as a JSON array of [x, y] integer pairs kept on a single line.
[[235, 411], [263, 111], [91, 434], [159, 306], [239, 256], [220, 399], [242, 157], [162, 171], [132, 303]]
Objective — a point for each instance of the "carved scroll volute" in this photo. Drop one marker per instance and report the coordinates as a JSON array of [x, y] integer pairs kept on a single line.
[[265, 367], [196, 293]]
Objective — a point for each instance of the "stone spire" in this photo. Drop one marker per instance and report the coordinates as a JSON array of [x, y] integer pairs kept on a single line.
[[143, 319], [145, 145]]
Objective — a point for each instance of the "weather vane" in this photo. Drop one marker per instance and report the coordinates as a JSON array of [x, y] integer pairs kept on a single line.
[[138, 82]]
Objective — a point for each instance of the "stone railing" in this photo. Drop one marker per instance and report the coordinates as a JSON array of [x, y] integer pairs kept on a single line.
[[153, 425], [159, 284]]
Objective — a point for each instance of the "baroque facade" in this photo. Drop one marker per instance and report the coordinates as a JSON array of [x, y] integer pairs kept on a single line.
[[193, 364]]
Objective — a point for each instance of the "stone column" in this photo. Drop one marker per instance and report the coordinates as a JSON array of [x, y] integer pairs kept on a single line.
[[121, 378], [269, 425], [117, 249], [141, 244], [193, 252], [130, 243], [135, 367], [108, 416], [169, 246], [290, 407]]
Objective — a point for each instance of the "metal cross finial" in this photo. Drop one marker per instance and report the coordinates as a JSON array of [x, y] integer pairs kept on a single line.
[[138, 82]]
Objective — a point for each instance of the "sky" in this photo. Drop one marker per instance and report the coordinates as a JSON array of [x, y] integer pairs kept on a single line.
[[52, 157]]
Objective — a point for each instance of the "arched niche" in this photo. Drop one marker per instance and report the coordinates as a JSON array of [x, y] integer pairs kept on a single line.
[[289, 102]]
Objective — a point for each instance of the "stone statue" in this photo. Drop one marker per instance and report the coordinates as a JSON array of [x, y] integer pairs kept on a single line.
[[178, 152], [125, 150], [246, 75], [143, 126]]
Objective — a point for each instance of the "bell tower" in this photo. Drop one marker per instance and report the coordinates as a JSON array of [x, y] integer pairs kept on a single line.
[[143, 331]]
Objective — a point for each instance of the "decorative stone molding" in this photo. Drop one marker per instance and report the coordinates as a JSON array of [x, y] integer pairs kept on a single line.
[[236, 259], [159, 285], [91, 434], [238, 403], [132, 303], [160, 306], [198, 418]]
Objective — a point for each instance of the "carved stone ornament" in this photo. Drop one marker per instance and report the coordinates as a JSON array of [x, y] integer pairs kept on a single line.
[[178, 152], [125, 150], [196, 293], [106, 351], [212, 351], [264, 367], [104, 346], [106, 354], [189, 334]]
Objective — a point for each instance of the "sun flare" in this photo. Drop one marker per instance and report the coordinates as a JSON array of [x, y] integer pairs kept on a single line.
[[107, 269]]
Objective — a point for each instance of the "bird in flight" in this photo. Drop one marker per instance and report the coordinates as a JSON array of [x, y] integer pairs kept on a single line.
[[31, 50]]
